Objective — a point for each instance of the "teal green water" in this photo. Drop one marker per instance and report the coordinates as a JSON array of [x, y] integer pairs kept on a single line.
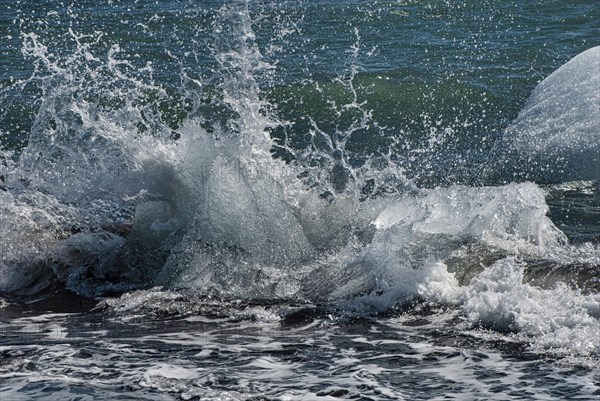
[[470, 65]]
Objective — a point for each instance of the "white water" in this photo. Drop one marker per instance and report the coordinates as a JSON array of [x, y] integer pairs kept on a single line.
[[106, 207]]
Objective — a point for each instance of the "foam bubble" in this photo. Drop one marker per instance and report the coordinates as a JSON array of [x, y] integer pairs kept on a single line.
[[558, 319]]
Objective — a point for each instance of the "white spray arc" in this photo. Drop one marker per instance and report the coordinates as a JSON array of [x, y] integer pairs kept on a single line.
[[556, 137]]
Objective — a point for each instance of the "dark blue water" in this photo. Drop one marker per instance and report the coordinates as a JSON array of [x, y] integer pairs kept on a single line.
[[299, 200]]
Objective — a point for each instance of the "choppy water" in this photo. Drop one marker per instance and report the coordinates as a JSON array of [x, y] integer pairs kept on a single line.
[[299, 200]]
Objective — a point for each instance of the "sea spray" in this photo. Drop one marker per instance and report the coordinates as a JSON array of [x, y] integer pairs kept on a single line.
[[124, 185]]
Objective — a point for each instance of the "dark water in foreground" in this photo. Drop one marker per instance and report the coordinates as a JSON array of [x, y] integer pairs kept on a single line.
[[299, 200], [413, 355]]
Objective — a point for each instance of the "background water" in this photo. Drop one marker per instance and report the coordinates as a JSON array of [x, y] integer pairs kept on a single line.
[[299, 200]]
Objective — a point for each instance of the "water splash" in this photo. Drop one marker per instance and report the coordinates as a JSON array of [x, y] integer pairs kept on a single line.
[[112, 194]]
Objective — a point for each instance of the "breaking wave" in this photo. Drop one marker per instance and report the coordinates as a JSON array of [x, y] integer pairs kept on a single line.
[[110, 194]]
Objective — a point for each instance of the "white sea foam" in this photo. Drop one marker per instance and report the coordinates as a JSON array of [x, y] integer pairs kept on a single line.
[[559, 319]]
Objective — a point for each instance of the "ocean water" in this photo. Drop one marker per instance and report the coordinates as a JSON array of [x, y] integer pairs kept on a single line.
[[297, 200]]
